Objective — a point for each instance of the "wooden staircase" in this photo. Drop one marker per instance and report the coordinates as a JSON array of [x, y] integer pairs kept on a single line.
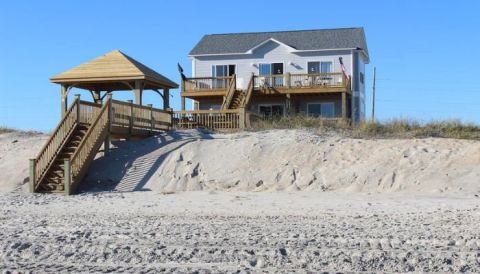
[[237, 99], [53, 181], [64, 160]]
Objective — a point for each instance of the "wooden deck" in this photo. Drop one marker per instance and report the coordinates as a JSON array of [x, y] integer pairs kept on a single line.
[[303, 83]]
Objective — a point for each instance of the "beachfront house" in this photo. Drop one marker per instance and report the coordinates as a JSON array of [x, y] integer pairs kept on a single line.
[[318, 73]]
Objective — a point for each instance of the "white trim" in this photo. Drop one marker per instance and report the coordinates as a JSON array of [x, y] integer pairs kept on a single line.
[[295, 50], [320, 103], [250, 51]]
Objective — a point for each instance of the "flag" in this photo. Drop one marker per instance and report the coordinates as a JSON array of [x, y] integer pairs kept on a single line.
[[344, 70], [180, 69]]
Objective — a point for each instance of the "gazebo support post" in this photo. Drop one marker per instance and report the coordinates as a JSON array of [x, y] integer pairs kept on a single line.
[[108, 138], [138, 92], [97, 98], [64, 100], [166, 98]]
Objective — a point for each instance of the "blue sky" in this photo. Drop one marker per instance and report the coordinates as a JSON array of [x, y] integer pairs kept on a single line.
[[425, 51]]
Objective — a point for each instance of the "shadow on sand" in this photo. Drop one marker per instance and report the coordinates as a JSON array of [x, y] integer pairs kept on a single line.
[[130, 165]]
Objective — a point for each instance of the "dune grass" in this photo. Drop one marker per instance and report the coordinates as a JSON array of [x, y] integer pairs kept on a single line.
[[6, 129], [395, 128]]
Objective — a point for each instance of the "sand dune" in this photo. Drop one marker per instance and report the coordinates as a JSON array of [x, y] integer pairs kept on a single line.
[[274, 202], [289, 160]]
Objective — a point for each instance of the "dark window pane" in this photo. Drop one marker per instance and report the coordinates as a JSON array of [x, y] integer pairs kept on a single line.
[[277, 110], [313, 67], [314, 110]]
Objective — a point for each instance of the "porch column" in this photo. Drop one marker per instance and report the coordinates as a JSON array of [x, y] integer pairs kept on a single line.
[[166, 98], [183, 103], [64, 100], [138, 92], [344, 105], [97, 97], [288, 105]]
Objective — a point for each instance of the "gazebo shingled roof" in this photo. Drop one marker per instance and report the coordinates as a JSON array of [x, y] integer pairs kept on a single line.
[[110, 72]]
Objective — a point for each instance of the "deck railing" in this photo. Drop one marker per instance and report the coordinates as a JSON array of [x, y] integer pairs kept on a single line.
[[301, 80], [211, 119], [88, 111], [206, 83], [132, 116]]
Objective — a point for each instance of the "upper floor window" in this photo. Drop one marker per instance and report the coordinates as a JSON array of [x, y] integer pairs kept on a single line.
[[319, 67], [362, 78], [270, 69], [264, 69], [223, 70]]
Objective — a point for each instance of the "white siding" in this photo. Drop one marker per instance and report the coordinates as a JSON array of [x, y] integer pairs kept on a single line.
[[270, 52]]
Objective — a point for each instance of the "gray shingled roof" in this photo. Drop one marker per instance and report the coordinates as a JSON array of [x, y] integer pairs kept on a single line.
[[319, 39]]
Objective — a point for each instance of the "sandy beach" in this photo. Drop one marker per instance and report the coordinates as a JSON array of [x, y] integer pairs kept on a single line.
[[193, 202]]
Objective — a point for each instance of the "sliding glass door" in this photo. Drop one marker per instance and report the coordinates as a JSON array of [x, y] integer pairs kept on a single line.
[[269, 72], [222, 71]]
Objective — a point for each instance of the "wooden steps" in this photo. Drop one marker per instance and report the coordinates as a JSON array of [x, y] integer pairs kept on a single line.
[[53, 182], [237, 99]]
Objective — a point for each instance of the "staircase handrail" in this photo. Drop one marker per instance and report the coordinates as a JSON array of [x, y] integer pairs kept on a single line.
[[54, 144], [248, 95], [89, 145], [232, 86]]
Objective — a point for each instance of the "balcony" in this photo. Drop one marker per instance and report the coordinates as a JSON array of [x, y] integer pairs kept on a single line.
[[302, 83], [268, 84], [206, 86]]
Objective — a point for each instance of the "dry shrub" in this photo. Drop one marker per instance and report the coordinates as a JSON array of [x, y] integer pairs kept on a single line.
[[6, 130], [395, 128]]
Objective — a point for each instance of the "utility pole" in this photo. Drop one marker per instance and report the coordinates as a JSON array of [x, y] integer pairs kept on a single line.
[[373, 93]]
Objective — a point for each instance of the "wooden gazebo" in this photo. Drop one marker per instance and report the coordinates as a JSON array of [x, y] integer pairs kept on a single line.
[[113, 71]]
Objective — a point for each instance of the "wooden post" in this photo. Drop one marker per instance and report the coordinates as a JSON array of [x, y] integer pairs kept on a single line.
[[373, 93], [130, 123], [183, 103], [288, 104], [166, 98], [107, 143], [64, 100], [67, 176], [241, 114], [32, 180], [344, 105], [97, 97], [170, 126], [77, 100], [288, 80], [151, 117], [138, 92]]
